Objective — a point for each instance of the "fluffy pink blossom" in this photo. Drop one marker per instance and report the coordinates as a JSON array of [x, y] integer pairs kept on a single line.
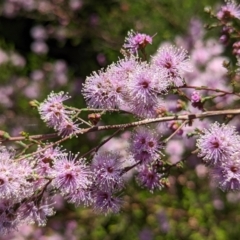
[[218, 143], [174, 61], [136, 41], [229, 10]]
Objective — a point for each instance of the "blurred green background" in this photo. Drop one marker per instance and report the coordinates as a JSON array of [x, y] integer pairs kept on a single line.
[[86, 37]]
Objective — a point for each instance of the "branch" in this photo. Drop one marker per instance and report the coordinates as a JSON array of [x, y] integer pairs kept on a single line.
[[207, 89], [187, 117], [33, 137], [175, 132], [95, 149]]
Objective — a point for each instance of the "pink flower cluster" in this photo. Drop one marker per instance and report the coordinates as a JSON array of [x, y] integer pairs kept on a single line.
[[135, 86], [57, 116], [25, 187], [218, 146], [145, 148]]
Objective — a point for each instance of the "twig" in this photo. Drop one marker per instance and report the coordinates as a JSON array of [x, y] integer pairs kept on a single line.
[[207, 89], [33, 137], [126, 169], [95, 149], [174, 133], [188, 117]]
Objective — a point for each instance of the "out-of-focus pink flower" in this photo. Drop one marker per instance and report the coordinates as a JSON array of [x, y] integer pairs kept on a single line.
[[75, 4], [175, 149], [37, 75], [3, 57], [17, 60], [39, 33], [39, 47]]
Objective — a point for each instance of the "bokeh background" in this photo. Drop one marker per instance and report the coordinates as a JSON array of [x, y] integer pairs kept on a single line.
[[50, 45]]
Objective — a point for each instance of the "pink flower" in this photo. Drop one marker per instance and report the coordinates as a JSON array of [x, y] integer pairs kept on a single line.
[[227, 174], [195, 97], [149, 177], [230, 10], [99, 91], [136, 41], [107, 171], [145, 84], [218, 143], [56, 115], [145, 145], [106, 202], [174, 61], [36, 211], [52, 110], [70, 174]]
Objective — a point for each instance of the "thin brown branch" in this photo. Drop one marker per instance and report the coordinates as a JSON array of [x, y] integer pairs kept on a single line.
[[207, 89], [126, 169], [187, 117], [44, 149], [95, 149], [174, 133], [33, 137]]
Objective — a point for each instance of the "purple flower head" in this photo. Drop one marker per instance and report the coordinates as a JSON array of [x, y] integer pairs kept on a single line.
[[99, 91], [107, 89], [126, 66], [50, 154], [8, 217], [67, 127], [52, 110], [218, 143], [145, 83], [148, 177], [227, 174], [36, 211], [105, 202], [56, 115], [236, 49], [174, 61], [81, 197], [230, 10], [70, 174], [14, 176], [196, 100], [120, 73], [46, 158], [136, 41], [145, 145], [107, 171], [195, 97]]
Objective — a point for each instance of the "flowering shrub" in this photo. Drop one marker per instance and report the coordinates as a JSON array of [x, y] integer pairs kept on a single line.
[[172, 105]]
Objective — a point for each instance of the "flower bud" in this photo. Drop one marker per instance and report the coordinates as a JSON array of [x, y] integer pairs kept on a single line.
[[94, 118], [180, 105]]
